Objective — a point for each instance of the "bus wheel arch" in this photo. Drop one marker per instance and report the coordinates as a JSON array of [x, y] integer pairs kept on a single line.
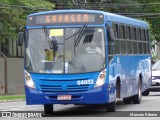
[[140, 77], [118, 87], [141, 82], [111, 107], [145, 92], [138, 97]]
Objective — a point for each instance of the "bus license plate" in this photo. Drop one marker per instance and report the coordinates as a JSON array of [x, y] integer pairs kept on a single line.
[[64, 97]]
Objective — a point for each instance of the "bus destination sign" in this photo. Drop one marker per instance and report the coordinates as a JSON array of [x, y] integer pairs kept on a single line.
[[67, 18]]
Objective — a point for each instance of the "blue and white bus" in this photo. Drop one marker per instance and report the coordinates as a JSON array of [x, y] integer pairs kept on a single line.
[[85, 57]]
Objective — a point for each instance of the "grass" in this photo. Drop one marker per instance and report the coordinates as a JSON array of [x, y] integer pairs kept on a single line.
[[12, 97]]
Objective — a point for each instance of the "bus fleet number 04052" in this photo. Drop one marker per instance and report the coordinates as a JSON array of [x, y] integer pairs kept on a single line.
[[85, 82]]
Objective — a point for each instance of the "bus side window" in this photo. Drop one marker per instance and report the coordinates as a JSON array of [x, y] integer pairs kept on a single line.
[[116, 41], [147, 39], [115, 29], [110, 46], [122, 39], [140, 42], [135, 46], [129, 41], [145, 42]]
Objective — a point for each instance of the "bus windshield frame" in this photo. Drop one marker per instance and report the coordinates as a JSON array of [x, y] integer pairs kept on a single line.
[[69, 56]]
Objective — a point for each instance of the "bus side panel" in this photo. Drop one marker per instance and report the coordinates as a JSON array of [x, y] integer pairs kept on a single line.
[[114, 73], [128, 69]]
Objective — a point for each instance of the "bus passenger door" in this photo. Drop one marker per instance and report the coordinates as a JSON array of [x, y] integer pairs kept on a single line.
[[111, 63]]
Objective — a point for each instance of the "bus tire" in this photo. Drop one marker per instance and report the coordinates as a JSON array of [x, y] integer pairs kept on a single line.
[[127, 100], [48, 109], [145, 93], [137, 98], [111, 107]]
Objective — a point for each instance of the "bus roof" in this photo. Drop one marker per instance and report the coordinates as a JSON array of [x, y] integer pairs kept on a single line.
[[108, 16]]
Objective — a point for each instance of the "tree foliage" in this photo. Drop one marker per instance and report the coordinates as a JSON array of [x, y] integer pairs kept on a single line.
[[143, 9], [13, 12], [13, 15]]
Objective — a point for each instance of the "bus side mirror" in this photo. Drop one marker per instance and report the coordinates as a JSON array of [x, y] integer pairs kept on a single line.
[[20, 38]]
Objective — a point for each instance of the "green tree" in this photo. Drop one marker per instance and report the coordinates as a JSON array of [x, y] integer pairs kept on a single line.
[[13, 15], [153, 7], [144, 9]]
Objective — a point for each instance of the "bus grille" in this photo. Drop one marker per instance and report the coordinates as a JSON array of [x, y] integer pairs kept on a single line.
[[69, 88]]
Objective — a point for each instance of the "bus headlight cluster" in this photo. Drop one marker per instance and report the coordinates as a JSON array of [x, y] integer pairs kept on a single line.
[[28, 80], [101, 78]]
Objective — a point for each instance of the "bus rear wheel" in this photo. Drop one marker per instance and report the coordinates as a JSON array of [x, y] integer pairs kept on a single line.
[[137, 98], [48, 109], [127, 100], [145, 93]]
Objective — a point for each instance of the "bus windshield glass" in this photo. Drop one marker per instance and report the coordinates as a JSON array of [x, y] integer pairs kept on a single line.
[[65, 50]]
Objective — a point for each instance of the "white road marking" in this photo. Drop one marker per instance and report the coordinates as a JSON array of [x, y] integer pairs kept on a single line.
[[23, 108]]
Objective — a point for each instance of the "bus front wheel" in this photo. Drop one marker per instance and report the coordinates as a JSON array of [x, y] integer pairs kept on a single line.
[[48, 109], [111, 107]]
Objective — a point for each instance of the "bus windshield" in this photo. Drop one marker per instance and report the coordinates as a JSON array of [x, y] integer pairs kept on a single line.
[[65, 50]]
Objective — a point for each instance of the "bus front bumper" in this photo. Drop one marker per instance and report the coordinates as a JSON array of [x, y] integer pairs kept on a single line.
[[99, 95]]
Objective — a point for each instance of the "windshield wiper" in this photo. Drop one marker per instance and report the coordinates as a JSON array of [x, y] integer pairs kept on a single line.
[[76, 42], [80, 32], [47, 36]]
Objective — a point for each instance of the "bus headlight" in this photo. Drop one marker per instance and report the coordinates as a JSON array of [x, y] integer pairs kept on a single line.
[[153, 78], [101, 78], [28, 80]]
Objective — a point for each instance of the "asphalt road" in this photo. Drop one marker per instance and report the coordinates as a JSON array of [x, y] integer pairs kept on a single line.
[[150, 107]]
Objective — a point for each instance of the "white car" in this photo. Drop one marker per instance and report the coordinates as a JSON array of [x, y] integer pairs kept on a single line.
[[155, 77]]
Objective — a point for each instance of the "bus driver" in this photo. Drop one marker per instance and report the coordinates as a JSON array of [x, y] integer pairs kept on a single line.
[[92, 48]]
